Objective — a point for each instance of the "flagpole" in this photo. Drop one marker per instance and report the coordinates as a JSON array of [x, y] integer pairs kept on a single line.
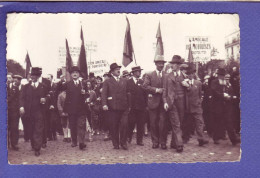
[[135, 58]]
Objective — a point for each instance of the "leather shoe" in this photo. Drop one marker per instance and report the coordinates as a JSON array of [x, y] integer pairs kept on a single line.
[[124, 147], [116, 147], [37, 153], [173, 146], [73, 144], [203, 142], [155, 146], [163, 146], [140, 143], [44, 145], [82, 146], [179, 149]]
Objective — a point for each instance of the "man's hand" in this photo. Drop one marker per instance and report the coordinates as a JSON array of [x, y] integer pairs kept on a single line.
[[43, 100], [98, 98], [185, 83], [87, 100], [51, 107], [159, 90], [105, 108], [166, 106], [22, 111]]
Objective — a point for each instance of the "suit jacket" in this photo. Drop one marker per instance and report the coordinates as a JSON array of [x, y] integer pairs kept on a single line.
[[13, 98], [26, 98], [137, 94], [151, 82], [114, 94], [75, 101], [194, 98], [53, 96]]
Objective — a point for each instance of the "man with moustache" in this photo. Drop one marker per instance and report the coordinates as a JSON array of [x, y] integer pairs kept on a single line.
[[174, 102], [115, 100], [32, 102], [75, 107], [153, 83], [138, 104]]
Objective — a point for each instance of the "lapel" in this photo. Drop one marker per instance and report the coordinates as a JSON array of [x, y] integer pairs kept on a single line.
[[114, 82]]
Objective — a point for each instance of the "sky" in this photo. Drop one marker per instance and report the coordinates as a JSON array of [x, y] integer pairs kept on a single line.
[[43, 34]]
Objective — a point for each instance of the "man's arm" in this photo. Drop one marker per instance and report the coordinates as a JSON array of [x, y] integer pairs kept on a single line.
[[147, 84], [104, 93]]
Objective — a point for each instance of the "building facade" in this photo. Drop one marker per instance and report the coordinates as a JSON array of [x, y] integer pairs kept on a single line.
[[232, 46]]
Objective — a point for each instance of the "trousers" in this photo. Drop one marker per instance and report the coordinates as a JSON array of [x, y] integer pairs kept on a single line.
[[136, 118], [77, 124]]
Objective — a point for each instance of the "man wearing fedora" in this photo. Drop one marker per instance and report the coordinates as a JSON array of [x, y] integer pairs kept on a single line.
[[153, 83], [115, 100], [138, 103], [32, 102], [222, 100], [13, 111], [75, 107], [126, 74], [174, 101], [193, 107]]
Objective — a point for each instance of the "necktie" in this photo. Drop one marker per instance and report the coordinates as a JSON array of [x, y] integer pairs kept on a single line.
[[34, 85]]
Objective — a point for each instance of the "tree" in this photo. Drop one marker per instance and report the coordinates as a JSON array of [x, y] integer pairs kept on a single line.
[[14, 67]]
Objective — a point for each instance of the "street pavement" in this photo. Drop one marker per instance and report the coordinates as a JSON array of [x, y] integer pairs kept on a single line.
[[102, 152]]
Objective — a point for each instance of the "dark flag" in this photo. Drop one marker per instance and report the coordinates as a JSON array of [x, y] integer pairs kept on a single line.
[[128, 46], [82, 62], [190, 56], [28, 65], [159, 43], [69, 62]]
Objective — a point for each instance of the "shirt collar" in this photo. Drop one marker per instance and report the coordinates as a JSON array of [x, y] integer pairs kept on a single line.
[[115, 77], [36, 83]]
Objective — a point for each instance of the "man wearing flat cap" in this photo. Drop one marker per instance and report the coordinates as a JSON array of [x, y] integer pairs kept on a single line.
[[222, 100], [115, 100], [153, 83], [75, 107], [13, 112], [138, 102], [32, 102], [174, 101]]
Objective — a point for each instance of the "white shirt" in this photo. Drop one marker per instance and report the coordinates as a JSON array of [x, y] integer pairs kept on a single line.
[[115, 77], [191, 82], [178, 73], [135, 80], [159, 73], [76, 82], [35, 84]]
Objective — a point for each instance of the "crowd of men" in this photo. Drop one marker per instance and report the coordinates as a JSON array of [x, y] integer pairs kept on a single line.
[[174, 102]]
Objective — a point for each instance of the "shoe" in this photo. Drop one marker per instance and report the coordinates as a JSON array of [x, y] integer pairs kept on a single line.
[[129, 140], [107, 138], [203, 142], [50, 139], [163, 146], [74, 145], [179, 149], [173, 147], [37, 153], [185, 141], [44, 145], [15, 148], [140, 143], [68, 140], [155, 146], [124, 147], [116, 147], [65, 139], [82, 146]]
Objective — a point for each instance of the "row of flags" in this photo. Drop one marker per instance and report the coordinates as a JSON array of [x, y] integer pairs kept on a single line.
[[128, 53]]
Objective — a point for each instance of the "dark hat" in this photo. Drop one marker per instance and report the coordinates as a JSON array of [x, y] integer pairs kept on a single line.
[[74, 68], [176, 59], [113, 66], [136, 68], [184, 66], [36, 71], [91, 74], [100, 78], [19, 77], [107, 74], [190, 70], [221, 72], [159, 58], [125, 73]]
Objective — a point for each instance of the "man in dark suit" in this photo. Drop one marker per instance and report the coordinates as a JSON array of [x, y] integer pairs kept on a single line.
[[13, 111], [222, 100], [75, 107], [32, 102], [137, 105], [193, 107], [115, 100], [153, 83]]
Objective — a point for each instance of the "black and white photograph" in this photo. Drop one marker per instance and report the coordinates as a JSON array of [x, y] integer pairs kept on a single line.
[[122, 88]]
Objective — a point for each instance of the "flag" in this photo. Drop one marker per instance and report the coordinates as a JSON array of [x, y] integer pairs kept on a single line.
[[190, 56], [69, 62], [28, 65], [128, 46], [159, 43], [82, 62]]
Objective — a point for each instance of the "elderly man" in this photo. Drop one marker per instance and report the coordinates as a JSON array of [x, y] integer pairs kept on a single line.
[[153, 83], [115, 100], [32, 102]]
